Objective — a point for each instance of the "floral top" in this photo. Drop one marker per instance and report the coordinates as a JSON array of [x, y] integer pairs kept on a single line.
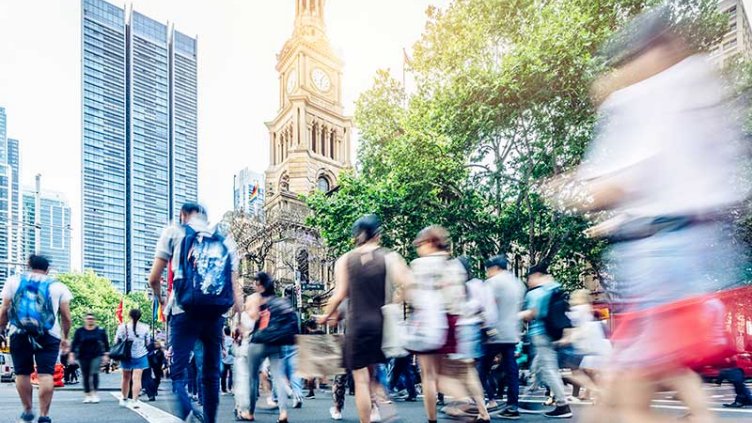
[[442, 272]]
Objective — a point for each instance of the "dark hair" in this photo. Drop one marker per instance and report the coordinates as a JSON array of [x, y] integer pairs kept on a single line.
[[366, 228], [651, 28], [191, 207], [263, 279], [37, 262], [465, 260], [434, 234], [135, 316], [227, 330], [497, 261], [541, 268]]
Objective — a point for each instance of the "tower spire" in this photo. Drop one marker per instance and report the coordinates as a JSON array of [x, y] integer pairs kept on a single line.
[[309, 18]]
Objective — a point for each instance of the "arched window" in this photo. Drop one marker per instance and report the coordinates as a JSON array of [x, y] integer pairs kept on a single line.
[[331, 144], [284, 183], [313, 137], [323, 184]]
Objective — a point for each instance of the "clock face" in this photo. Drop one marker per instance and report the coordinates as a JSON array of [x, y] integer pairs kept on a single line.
[[292, 81], [321, 80]]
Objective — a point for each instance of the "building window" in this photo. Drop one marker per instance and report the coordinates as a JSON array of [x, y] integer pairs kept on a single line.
[[284, 183], [323, 184]]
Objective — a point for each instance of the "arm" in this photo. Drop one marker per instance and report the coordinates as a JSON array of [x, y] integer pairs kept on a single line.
[[155, 277], [238, 292], [4, 314], [340, 279], [402, 277], [528, 315], [253, 307], [65, 323], [76, 343]]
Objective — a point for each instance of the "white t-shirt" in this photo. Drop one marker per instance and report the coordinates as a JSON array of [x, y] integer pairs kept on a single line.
[[58, 291], [141, 338]]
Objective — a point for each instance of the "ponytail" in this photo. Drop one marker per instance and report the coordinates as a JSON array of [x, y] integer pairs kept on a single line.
[[135, 316]]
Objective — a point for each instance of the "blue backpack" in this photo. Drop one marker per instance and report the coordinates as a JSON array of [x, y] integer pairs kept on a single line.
[[206, 263], [32, 311]]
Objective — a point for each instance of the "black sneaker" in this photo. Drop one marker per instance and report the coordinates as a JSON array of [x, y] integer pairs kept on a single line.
[[508, 414], [560, 412], [310, 395], [737, 404]]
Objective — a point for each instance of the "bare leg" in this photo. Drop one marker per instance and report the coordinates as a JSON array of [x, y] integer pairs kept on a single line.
[[25, 391], [476, 392], [136, 391], [362, 379], [125, 383], [429, 371], [46, 389], [688, 386]]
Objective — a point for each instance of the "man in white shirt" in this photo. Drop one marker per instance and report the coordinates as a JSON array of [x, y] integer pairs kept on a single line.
[[32, 303]]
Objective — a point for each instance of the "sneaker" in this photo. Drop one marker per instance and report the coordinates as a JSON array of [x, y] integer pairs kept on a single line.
[[26, 417], [94, 399], [737, 404], [336, 415], [560, 412], [310, 395], [375, 415], [44, 419], [135, 403], [87, 400], [509, 414], [297, 402], [123, 402], [549, 401]]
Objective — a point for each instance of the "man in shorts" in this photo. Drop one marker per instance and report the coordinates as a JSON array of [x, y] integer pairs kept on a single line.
[[43, 347]]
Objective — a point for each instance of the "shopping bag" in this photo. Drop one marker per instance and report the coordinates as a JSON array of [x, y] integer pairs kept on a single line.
[[319, 355], [393, 333]]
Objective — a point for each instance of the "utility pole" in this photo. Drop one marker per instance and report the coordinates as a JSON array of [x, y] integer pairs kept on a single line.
[[37, 210]]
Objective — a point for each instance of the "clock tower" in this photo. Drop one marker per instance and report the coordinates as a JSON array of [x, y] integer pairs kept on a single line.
[[309, 139]]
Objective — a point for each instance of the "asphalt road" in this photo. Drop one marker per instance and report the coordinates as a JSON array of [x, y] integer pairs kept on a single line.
[[67, 407]]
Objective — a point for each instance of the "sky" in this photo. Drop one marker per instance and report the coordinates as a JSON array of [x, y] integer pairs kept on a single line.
[[40, 79]]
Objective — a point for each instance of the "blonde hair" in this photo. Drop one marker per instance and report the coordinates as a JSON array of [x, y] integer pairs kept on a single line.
[[579, 297]]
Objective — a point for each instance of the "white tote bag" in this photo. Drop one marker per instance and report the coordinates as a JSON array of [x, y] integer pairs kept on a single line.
[[393, 331]]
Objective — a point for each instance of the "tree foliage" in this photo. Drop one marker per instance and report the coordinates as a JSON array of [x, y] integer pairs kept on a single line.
[[502, 103]]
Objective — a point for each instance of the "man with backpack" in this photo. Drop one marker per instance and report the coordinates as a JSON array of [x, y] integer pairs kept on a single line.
[[545, 308], [31, 304], [205, 287]]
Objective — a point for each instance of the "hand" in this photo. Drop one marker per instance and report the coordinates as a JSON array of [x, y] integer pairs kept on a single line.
[[106, 359], [322, 320], [71, 357], [64, 345]]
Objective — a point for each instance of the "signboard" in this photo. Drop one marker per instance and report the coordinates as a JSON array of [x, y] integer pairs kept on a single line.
[[313, 286]]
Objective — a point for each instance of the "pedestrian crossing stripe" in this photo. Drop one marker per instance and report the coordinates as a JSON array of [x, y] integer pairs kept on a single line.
[[150, 413]]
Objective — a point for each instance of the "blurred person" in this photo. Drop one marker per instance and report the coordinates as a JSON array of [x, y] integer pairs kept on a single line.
[[666, 163], [227, 362], [37, 307], [204, 265], [735, 375], [507, 293], [139, 335], [361, 277], [157, 363], [537, 300], [436, 270], [241, 370], [91, 348], [276, 326]]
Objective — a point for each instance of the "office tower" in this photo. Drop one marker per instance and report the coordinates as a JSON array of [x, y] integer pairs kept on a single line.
[[5, 227], [139, 137], [737, 42], [249, 192], [47, 223], [13, 159]]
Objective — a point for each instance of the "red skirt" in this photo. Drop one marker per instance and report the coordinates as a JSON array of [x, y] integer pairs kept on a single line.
[[450, 345]]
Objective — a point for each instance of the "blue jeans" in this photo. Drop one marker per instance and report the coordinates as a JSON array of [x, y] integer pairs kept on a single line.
[[511, 372], [185, 330], [289, 364]]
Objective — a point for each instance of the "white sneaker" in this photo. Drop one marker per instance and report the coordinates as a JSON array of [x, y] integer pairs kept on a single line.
[[123, 402], [94, 399], [87, 400], [270, 402], [336, 415], [375, 415], [135, 403]]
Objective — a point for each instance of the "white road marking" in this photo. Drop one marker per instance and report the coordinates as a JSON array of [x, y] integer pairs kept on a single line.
[[150, 413]]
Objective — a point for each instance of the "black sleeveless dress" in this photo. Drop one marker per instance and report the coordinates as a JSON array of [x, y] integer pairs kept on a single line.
[[366, 272]]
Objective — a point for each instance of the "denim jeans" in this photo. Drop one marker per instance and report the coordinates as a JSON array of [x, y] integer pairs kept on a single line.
[[256, 355], [547, 362], [185, 330], [736, 377], [289, 364], [511, 372], [402, 374]]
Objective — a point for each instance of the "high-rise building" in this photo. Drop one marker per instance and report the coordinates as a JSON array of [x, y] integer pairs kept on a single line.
[[6, 176], [737, 42], [139, 137], [47, 223], [249, 192], [13, 159]]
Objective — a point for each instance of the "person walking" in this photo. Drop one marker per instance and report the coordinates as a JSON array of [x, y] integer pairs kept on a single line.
[[363, 276], [227, 361], [276, 327], [436, 271], [37, 307], [536, 307], [156, 364], [204, 265], [507, 293], [91, 348], [138, 334]]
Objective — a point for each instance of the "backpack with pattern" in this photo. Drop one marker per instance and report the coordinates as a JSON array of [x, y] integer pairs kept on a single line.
[[32, 311]]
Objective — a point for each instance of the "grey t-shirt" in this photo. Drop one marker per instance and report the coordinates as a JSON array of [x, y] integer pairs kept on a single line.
[[508, 293], [169, 246]]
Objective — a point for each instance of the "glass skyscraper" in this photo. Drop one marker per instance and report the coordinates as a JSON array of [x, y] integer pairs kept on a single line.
[[13, 159], [139, 137], [52, 236]]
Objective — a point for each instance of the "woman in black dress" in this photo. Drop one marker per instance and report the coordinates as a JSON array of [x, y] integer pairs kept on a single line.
[[362, 276]]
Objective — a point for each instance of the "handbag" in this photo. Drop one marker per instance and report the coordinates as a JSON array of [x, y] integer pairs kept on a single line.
[[393, 329], [121, 351]]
